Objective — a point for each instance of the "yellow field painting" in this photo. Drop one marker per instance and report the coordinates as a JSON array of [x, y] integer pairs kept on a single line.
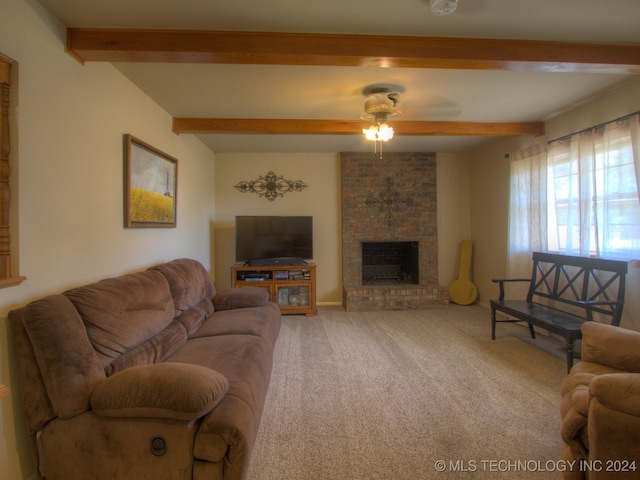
[[148, 206]]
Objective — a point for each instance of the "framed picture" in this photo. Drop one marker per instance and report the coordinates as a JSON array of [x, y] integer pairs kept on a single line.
[[150, 186]]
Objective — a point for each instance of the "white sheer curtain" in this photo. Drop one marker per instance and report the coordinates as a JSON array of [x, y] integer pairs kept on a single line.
[[577, 196], [527, 208], [634, 130], [593, 196]]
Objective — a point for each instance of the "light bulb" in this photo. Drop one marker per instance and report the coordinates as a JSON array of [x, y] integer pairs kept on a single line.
[[371, 133], [385, 132]]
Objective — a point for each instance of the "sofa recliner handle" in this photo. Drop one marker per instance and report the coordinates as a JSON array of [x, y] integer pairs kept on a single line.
[[158, 446]]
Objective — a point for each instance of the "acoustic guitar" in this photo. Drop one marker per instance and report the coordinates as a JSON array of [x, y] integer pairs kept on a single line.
[[462, 290]]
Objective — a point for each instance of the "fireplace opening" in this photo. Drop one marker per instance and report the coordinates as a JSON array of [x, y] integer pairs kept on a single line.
[[385, 263]]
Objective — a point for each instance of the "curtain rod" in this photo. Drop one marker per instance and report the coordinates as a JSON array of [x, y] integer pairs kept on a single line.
[[619, 119]]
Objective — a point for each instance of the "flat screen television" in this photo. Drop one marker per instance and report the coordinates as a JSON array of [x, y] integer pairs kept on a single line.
[[273, 237]]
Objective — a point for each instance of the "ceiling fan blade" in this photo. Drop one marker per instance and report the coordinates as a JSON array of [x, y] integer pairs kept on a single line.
[[434, 108]]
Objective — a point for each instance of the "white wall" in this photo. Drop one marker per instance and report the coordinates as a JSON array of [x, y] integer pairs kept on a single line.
[[454, 213], [489, 195], [321, 199], [67, 185], [321, 171]]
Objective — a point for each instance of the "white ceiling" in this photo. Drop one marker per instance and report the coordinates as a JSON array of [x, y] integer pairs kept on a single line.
[[315, 92]]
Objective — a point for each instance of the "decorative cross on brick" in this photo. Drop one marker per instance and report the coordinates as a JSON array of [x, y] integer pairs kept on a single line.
[[389, 201]]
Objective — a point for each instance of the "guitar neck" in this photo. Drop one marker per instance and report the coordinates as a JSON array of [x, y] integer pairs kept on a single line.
[[465, 260]]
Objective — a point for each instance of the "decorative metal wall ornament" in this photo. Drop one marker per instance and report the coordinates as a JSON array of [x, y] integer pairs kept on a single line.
[[389, 201], [271, 186]]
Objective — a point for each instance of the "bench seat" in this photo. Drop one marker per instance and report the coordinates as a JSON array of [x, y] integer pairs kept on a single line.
[[565, 292], [551, 319]]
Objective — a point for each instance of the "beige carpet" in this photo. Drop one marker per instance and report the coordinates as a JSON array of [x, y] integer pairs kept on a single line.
[[386, 395]]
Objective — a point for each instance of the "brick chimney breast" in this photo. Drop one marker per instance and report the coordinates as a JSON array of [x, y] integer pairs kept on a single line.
[[390, 199]]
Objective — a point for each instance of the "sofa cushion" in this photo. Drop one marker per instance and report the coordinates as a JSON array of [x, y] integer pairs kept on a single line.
[[33, 391], [189, 282], [614, 347], [244, 297], [618, 391], [229, 430], [123, 313], [67, 362], [256, 321], [154, 350], [163, 390], [193, 318]]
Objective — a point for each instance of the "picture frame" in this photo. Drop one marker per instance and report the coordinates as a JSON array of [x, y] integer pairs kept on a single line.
[[150, 186]]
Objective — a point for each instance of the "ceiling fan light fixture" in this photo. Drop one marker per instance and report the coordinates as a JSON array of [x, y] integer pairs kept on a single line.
[[380, 132], [443, 7]]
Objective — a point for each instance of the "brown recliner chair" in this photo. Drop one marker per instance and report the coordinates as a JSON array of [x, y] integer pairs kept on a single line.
[[601, 406]]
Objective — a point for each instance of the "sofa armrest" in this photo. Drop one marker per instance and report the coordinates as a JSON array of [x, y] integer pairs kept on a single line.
[[618, 391], [614, 347], [176, 391], [243, 297]]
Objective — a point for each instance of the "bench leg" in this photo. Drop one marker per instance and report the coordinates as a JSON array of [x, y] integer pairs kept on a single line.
[[493, 324], [532, 331], [569, 355]]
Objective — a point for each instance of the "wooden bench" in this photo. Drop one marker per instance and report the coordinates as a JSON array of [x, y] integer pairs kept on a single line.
[[564, 292]]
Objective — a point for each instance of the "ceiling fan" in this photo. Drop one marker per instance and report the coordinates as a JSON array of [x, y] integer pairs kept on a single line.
[[380, 104]]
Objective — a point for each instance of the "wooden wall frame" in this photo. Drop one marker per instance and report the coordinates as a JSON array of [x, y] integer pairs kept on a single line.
[[6, 277], [150, 186]]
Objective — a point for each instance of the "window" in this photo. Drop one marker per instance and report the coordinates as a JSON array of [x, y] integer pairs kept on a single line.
[[577, 196], [593, 199]]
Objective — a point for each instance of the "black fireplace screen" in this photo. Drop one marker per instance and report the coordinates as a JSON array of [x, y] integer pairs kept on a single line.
[[389, 262]]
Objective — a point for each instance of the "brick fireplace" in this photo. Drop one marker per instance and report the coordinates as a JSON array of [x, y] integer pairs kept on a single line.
[[389, 232]]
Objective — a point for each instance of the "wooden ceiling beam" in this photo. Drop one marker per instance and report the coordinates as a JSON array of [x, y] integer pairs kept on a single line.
[[186, 46], [350, 127]]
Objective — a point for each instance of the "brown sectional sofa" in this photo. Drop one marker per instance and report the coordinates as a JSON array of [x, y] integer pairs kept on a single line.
[[152, 375], [600, 406]]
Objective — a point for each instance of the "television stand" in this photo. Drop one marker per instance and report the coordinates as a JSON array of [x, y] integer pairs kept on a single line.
[[292, 287]]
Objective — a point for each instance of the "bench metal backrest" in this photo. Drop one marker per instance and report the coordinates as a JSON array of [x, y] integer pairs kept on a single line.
[[578, 280]]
